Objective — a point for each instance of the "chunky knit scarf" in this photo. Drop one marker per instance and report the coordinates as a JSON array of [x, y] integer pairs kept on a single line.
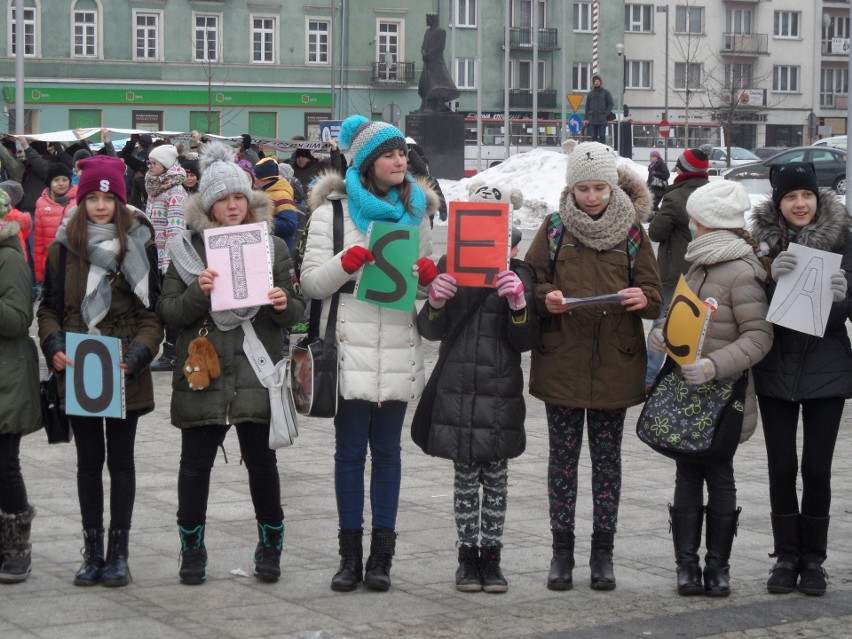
[[717, 246], [364, 207], [156, 184], [102, 256], [189, 265], [605, 231]]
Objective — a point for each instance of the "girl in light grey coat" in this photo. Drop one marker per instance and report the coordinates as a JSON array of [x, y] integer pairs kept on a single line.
[[723, 266]]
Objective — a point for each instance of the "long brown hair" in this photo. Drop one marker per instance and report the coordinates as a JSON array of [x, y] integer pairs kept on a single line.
[[78, 228], [368, 181]]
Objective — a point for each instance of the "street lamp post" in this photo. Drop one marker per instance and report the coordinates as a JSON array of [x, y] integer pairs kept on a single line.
[[622, 127], [665, 9]]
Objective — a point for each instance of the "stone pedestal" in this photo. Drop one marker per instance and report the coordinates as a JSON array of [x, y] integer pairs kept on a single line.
[[441, 135]]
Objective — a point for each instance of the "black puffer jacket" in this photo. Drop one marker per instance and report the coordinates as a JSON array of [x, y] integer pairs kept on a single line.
[[479, 411], [802, 366]]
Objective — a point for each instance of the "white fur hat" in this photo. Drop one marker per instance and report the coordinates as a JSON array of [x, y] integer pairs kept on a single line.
[[720, 204], [591, 161]]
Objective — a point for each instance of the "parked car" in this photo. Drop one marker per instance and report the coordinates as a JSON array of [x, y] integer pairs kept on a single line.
[[767, 151], [835, 141], [830, 165], [719, 157]]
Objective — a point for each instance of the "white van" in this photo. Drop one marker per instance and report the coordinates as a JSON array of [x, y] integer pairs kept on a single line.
[[836, 141]]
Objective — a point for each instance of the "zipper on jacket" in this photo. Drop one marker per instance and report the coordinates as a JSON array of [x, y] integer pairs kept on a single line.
[[799, 369], [379, 363]]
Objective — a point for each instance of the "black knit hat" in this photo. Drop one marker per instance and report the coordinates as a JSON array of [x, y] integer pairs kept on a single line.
[[191, 166], [55, 170], [792, 177]]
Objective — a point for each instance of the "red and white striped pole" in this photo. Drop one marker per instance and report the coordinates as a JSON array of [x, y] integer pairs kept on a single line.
[[595, 33]]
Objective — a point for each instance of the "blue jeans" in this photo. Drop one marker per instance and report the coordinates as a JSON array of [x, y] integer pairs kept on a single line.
[[655, 360], [357, 424], [597, 133]]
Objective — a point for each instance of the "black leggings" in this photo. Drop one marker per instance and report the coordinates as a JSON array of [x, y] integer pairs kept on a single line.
[[721, 488], [117, 452], [820, 423], [13, 492], [197, 454]]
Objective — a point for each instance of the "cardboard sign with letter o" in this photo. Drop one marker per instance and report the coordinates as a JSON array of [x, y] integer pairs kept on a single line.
[[94, 386]]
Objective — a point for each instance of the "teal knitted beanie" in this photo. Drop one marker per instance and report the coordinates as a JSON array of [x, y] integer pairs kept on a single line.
[[366, 140]]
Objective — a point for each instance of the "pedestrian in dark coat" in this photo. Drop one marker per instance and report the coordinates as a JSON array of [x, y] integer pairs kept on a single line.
[[477, 418], [803, 373], [235, 398], [658, 178], [110, 287], [20, 408], [599, 103]]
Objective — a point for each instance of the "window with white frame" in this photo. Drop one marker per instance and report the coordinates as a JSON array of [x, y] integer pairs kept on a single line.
[[319, 40], [837, 27], [638, 74], [465, 13], [689, 19], [787, 24], [524, 82], [833, 82], [524, 15], [738, 76], [389, 42], [29, 21], [785, 79], [263, 39], [637, 18], [206, 37], [466, 73], [687, 76], [581, 76], [146, 25], [738, 21], [85, 34], [582, 16]]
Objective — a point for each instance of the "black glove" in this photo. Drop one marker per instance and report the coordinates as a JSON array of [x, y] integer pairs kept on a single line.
[[246, 141], [53, 344], [137, 356]]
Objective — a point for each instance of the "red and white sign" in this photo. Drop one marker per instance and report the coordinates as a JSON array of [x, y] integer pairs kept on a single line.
[[664, 128]]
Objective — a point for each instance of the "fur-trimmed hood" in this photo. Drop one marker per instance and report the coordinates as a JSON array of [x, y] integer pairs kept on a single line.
[[9, 228], [197, 220], [828, 231], [330, 185], [632, 186]]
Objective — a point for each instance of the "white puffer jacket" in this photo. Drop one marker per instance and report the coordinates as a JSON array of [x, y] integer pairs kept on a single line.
[[379, 348]]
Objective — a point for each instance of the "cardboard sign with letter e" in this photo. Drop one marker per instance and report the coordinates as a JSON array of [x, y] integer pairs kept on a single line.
[[94, 386], [802, 299], [686, 325], [242, 257], [390, 280], [478, 242]]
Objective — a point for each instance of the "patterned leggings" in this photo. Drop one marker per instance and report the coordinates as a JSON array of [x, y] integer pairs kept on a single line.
[[494, 477], [565, 427]]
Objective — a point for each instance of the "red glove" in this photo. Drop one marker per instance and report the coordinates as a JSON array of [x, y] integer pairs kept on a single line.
[[509, 285], [425, 270], [354, 258]]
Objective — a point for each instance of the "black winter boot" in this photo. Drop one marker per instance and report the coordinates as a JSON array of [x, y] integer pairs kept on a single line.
[[351, 571], [166, 361], [721, 530], [492, 577], [468, 576], [16, 555], [812, 579], [603, 577], [116, 571], [686, 535], [382, 548], [193, 556], [562, 563], [90, 570], [267, 555], [786, 533]]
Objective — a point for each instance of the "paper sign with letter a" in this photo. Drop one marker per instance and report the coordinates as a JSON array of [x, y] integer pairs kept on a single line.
[[390, 281], [242, 257], [686, 325], [94, 386], [802, 299], [477, 242]]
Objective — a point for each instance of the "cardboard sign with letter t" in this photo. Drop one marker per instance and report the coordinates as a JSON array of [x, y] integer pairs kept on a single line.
[[478, 242]]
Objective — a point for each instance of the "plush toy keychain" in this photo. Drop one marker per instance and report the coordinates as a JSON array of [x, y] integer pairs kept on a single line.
[[202, 365]]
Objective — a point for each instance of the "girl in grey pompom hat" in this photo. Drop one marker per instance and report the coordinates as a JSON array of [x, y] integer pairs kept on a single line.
[[220, 175]]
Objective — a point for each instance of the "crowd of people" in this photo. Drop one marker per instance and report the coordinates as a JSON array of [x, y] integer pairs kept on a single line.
[[119, 251]]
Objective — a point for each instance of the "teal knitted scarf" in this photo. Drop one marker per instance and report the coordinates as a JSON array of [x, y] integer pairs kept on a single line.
[[364, 207]]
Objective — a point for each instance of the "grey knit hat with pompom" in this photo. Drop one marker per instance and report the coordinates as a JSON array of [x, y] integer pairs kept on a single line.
[[220, 176]]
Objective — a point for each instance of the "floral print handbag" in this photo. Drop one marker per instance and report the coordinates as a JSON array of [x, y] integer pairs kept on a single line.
[[698, 423]]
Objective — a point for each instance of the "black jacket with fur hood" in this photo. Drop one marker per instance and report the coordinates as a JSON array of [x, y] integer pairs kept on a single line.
[[802, 366]]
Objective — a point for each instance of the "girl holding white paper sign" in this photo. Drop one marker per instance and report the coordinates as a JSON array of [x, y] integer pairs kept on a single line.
[[589, 364], [724, 266], [803, 373], [380, 354], [204, 412], [102, 278]]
